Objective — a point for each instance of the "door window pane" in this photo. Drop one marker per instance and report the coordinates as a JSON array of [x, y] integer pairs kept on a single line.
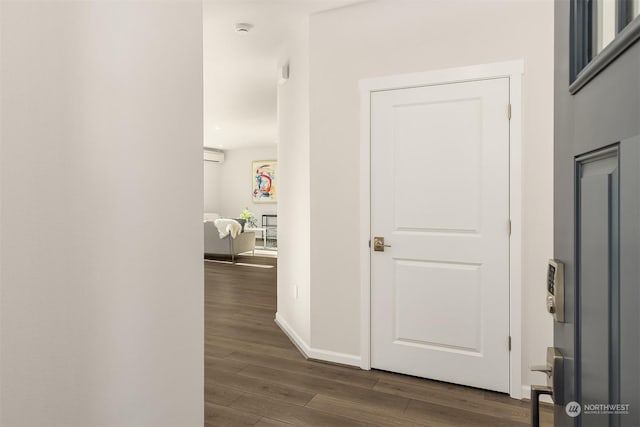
[[604, 25], [635, 9], [596, 26]]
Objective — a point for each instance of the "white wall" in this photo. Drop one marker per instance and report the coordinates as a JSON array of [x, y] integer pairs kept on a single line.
[[236, 181], [393, 37], [101, 317], [294, 196], [212, 186]]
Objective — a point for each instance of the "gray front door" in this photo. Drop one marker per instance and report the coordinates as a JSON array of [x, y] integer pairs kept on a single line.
[[597, 210]]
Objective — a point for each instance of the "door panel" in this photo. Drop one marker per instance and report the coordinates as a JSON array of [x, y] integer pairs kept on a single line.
[[629, 279], [420, 312], [598, 285], [440, 197], [458, 194]]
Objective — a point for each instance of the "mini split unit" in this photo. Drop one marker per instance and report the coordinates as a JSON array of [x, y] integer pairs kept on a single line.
[[216, 156]]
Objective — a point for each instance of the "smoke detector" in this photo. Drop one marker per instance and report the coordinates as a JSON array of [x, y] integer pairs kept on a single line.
[[243, 27]]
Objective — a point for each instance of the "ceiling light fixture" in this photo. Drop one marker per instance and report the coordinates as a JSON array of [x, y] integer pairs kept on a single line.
[[243, 27]]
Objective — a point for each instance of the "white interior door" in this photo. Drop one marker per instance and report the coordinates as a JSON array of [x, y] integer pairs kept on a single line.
[[440, 198]]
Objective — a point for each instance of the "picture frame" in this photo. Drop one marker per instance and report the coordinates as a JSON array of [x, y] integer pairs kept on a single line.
[[264, 181]]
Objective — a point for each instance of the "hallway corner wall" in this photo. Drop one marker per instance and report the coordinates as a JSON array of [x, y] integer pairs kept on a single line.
[[101, 315], [294, 226]]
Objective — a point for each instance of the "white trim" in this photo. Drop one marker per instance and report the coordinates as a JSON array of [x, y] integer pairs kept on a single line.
[[365, 228], [512, 70], [446, 76], [301, 344], [515, 245], [314, 353], [334, 357], [526, 395]]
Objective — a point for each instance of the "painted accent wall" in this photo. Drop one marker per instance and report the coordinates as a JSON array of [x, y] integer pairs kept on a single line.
[[385, 38], [101, 275]]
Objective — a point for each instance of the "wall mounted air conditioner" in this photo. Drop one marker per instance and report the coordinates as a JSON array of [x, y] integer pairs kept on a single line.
[[211, 155]]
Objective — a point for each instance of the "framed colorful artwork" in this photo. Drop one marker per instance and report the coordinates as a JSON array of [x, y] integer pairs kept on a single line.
[[264, 176]]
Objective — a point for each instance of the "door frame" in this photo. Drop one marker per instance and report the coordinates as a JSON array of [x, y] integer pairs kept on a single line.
[[512, 70]]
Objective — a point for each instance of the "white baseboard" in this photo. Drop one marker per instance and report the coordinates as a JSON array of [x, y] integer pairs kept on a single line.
[[300, 344], [526, 394], [334, 357], [309, 352], [315, 353]]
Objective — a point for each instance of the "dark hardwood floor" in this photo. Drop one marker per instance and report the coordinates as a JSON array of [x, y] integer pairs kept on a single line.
[[254, 376]]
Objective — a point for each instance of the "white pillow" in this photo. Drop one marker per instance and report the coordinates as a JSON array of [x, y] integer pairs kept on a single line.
[[228, 226]]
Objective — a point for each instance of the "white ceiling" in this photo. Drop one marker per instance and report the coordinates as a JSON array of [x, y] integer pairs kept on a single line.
[[240, 70]]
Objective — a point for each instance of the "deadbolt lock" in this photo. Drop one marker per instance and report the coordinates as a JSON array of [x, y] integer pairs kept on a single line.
[[555, 289], [378, 244]]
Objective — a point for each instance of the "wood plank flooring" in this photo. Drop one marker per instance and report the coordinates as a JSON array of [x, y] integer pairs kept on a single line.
[[254, 376]]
